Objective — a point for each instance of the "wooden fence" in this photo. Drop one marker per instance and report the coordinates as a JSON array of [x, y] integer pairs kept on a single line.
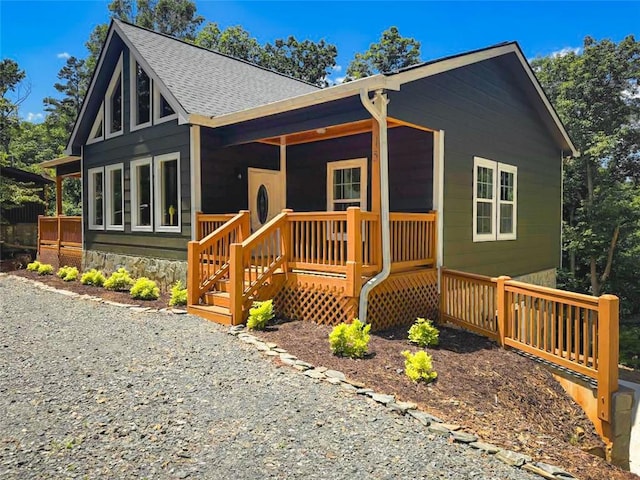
[[60, 240]]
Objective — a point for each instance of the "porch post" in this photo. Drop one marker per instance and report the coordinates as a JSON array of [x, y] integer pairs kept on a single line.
[[58, 195], [354, 251], [376, 204], [283, 168]]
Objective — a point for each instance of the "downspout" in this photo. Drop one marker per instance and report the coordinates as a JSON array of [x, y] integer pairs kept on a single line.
[[379, 112]]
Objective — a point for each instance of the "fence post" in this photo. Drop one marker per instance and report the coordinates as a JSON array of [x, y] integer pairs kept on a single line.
[[245, 225], [443, 294], [608, 338], [503, 308], [199, 235], [285, 241], [193, 274], [354, 251], [236, 282]]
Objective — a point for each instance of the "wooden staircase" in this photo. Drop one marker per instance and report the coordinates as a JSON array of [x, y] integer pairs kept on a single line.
[[215, 304]]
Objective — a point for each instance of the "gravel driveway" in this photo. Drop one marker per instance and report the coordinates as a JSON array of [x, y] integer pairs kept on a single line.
[[89, 390]]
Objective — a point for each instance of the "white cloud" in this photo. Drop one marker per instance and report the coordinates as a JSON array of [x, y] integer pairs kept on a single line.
[[337, 68], [35, 117], [339, 80], [64, 55], [565, 51]]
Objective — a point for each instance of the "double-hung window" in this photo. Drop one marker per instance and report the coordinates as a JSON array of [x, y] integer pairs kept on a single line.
[[347, 184], [114, 188], [495, 196], [96, 198], [167, 192]]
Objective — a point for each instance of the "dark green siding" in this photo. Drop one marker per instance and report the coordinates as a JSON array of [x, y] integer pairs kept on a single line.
[[168, 137], [484, 114]]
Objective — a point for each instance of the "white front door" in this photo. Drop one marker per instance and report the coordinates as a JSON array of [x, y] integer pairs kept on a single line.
[[266, 196]]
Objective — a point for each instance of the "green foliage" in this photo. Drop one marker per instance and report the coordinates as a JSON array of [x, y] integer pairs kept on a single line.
[[12, 93], [145, 289], [350, 340], [92, 277], [423, 333], [419, 366], [178, 295], [68, 274], [45, 269], [260, 314], [33, 266], [630, 346], [119, 280]]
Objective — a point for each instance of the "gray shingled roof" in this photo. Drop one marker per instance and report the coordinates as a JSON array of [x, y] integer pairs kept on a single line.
[[206, 82]]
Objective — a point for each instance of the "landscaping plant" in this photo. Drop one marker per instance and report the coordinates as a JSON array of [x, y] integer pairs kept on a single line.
[[419, 366], [45, 269], [92, 277], [350, 340], [119, 280], [423, 333], [178, 295], [145, 289], [260, 314], [33, 266], [68, 274]]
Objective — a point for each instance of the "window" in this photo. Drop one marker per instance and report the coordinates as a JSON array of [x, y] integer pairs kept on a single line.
[[97, 131], [113, 102], [114, 188], [140, 96], [141, 195], [167, 192], [347, 184], [494, 200], [162, 110], [96, 198]]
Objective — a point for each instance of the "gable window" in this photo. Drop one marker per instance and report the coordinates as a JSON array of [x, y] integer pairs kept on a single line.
[[347, 184], [96, 198], [97, 131], [141, 195], [114, 188], [162, 109], [167, 192], [113, 103], [495, 194], [140, 96]]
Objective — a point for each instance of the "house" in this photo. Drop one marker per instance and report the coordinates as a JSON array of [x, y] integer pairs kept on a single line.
[[335, 202]]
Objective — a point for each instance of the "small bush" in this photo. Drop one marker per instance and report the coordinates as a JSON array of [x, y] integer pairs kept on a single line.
[[145, 289], [423, 333], [68, 274], [350, 340], [119, 280], [92, 277], [419, 366], [178, 295], [45, 269], [33, 266], [260, 314]]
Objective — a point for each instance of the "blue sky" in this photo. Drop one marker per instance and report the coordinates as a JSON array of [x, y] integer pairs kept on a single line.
[[40, 34]]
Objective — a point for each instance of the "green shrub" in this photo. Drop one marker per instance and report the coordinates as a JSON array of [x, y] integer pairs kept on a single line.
[[68, 274], [178, 295], [92, 277], [260, 314], [45, 269], [145, 289], [119, 280], [419, 366], [630, 346], [423, 333], [350, 340], [33, 266]]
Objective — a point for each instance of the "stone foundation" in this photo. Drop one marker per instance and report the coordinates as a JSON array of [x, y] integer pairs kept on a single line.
[[164, 272], [543, 278]]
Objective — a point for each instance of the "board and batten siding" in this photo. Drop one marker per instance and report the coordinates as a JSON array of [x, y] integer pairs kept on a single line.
[[168, 137], [484, 114]]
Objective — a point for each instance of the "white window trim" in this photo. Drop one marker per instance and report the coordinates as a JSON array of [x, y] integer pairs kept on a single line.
[[156, 106], [133, 89], [342, 164], [135, 207], [157, 192], [96, 123], [108, 196], [496, 168], [117, 74], [91, 197]]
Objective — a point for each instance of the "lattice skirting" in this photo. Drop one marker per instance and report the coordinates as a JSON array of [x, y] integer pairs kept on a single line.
[[402, 298]]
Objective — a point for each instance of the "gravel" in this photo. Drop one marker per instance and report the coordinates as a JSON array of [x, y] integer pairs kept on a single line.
[[91, 390]]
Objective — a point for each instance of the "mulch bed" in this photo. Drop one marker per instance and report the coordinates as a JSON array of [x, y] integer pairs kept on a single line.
[[502, 397]]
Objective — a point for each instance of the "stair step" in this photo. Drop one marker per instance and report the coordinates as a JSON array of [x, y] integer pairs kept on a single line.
[[219, 299], [212, 312]]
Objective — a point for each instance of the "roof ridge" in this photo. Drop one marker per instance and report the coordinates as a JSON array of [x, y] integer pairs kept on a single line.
[[231, 57]]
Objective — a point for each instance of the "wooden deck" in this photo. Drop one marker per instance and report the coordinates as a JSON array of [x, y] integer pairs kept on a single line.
[[60, 240]]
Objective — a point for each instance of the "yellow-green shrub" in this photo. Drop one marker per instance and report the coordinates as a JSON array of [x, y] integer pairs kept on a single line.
[[119, 280], [33, 266], [350, 340], [423, 333], [68, 274], [145, 289], [92, 277], [178, 295], [260, 314], [45, 269], [419, 366]]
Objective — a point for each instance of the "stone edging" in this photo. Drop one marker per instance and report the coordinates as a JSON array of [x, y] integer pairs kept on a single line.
[[432, 424]]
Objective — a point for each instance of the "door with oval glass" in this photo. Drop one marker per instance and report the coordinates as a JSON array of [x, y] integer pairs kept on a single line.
[[266, 196]]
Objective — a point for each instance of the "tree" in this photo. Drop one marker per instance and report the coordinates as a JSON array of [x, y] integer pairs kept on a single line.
[[75, 79], [233, 41], [597, 94], [305, 60], [13, 91], [391, 53]]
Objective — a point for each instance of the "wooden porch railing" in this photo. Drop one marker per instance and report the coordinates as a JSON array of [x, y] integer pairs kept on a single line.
[[59, 232], [413, 240], [574, 331], [207, 223]]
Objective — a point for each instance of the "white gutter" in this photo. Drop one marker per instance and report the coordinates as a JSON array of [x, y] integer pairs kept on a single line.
[[379, 112]]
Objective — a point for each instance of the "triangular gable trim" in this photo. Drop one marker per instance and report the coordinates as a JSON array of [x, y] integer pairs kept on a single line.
[[98, 123]]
